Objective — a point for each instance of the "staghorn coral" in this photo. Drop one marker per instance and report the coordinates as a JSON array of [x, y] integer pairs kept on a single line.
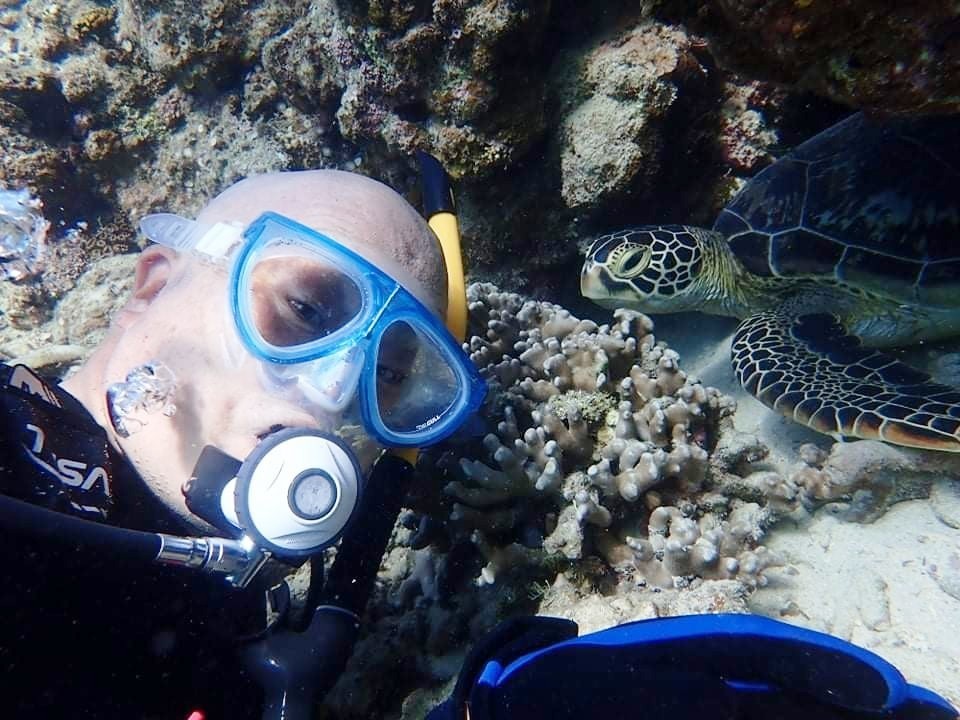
[[602, 450]]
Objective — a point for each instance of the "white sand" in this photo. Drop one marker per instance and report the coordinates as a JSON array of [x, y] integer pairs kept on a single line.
[[892, 587]]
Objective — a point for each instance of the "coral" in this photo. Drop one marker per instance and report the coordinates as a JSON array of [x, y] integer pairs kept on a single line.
[[890, 58], [861, 480], [602, 449], [615, 98]]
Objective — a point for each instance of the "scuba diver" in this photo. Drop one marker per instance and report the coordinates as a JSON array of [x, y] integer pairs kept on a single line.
[[237, 412], [261, 398]]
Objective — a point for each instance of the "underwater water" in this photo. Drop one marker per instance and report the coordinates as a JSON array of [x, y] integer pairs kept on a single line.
[[704, 359]]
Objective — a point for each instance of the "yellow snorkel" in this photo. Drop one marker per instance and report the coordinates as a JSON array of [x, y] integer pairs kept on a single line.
[[439, 208]]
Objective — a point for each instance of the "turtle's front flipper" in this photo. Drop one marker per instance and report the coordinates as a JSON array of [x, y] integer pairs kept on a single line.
[[809, 369]]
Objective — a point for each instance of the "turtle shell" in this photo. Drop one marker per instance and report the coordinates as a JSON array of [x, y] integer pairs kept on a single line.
[[874, 205]]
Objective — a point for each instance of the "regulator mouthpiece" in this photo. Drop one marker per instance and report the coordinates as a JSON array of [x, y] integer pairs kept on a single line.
[[293, 495]]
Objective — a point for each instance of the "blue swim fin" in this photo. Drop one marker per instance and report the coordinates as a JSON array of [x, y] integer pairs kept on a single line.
[[741, 667]]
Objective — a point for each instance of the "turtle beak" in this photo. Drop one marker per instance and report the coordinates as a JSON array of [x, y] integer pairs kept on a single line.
[[595, 281]]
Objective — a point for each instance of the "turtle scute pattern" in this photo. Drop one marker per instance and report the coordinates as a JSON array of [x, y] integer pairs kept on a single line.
[[810, 370], [870, 205]]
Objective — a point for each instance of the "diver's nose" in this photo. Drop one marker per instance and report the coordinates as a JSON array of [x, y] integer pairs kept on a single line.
[[335, 384]]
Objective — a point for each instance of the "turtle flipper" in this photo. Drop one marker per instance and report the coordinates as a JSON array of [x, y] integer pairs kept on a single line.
[[810, 369]]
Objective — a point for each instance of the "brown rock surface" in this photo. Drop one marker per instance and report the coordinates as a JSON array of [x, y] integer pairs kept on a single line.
[[901, 57]]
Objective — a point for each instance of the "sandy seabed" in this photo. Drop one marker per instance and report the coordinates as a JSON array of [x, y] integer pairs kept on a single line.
[[892, 586]]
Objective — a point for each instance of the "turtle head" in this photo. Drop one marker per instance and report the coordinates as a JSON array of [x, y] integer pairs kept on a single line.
[[654, 268]]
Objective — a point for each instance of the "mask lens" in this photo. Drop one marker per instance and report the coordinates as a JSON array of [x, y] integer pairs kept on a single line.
[[416, 384], [295, 299]]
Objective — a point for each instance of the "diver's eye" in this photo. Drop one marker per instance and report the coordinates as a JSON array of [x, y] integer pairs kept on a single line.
[[632, 261], [389, 375], [316, 318], [322, 305], [297, 300]]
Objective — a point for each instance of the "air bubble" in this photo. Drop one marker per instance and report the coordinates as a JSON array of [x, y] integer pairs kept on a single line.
[[23, 235], [148, 389]]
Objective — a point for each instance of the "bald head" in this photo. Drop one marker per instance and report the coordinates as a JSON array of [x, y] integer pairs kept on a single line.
[[361, 213]]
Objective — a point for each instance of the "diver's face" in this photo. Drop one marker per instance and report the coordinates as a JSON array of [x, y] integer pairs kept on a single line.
[[218, 396], [180, 317]]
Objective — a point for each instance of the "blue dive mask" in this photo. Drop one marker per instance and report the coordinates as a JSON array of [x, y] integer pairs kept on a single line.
[[329, 327]]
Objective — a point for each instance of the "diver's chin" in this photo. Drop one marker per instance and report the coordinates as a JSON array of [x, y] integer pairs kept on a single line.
[[174, 504], [192, 524]]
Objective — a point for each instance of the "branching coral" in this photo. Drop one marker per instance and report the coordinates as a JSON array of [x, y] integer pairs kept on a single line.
[[602, 449]]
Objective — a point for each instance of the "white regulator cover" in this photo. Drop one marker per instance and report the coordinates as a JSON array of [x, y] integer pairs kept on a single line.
[[297, 490]]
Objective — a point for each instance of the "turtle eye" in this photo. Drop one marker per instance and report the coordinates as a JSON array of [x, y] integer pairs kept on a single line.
[[632, 261]]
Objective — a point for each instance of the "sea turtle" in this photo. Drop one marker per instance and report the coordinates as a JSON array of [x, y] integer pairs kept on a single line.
[[847, 244]]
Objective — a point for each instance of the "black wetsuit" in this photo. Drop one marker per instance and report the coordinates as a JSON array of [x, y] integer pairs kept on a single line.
[[81, 634]]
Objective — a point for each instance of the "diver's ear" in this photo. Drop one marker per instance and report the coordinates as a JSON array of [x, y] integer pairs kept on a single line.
[[153, 272]]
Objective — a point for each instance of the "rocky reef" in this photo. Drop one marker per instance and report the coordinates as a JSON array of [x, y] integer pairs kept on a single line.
[[564, 120], [898, 58]]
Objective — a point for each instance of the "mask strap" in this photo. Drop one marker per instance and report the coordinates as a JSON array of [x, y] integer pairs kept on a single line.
[[217, 240]]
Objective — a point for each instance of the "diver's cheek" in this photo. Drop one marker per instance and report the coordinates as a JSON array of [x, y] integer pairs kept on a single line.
[[236, 421]]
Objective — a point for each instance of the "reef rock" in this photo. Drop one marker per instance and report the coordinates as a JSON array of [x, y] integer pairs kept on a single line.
[[889, 57], [860, 480], [614, 97], [461, 80]]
